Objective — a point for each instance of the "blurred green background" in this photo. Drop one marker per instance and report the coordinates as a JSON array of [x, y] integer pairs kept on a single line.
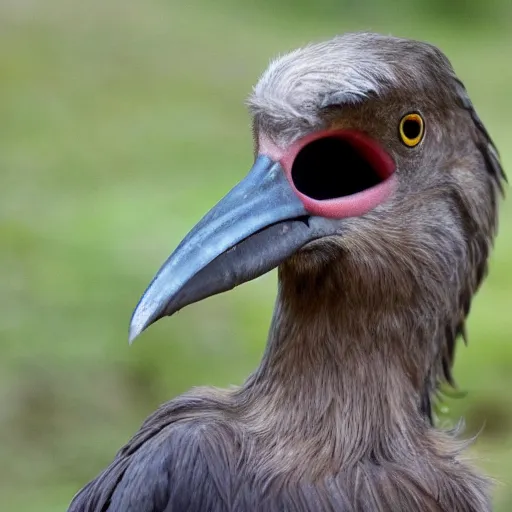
[[121, 123]]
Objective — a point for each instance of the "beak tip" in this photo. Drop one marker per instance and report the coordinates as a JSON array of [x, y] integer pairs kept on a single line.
[[142, 318], [133, 333]]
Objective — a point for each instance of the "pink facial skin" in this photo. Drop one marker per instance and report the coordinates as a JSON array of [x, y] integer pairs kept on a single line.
[[348, 206]]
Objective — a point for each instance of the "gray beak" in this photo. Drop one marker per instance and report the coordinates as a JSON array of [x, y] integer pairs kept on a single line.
[[255, 227]]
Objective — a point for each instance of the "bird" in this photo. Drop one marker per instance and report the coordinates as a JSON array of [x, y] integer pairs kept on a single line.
[[375, 192]]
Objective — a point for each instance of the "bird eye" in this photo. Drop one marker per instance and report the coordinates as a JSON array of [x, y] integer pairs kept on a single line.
[[411, 129]]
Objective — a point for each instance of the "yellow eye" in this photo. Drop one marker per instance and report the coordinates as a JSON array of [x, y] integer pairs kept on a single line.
[[411, 129]]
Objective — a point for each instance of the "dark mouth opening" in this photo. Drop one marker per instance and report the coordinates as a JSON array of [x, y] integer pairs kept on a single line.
[[331, 167]]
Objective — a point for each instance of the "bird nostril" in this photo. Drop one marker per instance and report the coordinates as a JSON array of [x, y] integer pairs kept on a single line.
[[331, 167]]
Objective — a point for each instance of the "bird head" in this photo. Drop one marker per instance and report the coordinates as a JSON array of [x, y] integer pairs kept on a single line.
[[374, 185]]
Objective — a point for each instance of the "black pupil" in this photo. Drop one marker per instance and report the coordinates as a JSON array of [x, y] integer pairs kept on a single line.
[[411, 128], [329, 168]]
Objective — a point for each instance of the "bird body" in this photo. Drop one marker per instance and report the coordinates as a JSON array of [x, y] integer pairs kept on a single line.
[[375, 191]]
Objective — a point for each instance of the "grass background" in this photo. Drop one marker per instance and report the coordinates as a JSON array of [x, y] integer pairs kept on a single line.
[[121, 122]]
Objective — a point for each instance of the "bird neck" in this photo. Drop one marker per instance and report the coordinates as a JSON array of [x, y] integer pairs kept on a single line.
[[348, 368], [338, 395]]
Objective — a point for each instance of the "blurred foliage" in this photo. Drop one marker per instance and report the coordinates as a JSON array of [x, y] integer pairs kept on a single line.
[[454, 13], [122, 122]]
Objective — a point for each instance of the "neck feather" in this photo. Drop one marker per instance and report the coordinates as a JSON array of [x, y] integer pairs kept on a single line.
[[331, 367], [339, 395]]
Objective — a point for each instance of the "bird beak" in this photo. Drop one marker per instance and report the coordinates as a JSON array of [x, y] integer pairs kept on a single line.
[[250, 231], [260, 223]]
